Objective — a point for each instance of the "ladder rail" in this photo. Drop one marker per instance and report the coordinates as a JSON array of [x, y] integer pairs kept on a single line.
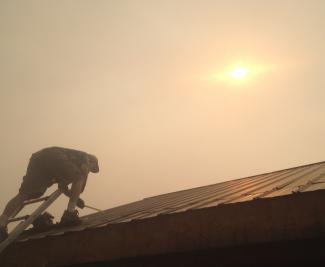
[[23, 225]]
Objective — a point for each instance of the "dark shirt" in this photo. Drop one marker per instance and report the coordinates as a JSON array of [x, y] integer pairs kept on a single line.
[[62, 163]]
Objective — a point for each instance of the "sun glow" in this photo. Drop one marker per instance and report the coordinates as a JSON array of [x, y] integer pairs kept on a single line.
[[238, 74]]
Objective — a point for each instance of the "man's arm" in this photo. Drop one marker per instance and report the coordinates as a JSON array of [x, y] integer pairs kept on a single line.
[[78, 175], [84, 182], [77, 188]]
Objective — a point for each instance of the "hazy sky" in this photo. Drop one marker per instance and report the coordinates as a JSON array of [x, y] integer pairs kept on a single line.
[[130, 81]]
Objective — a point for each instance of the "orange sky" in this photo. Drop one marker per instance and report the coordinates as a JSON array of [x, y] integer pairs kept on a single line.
[[130, 82]]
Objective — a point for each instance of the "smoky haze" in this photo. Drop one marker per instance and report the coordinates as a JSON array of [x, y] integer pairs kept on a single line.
[[126, 81]]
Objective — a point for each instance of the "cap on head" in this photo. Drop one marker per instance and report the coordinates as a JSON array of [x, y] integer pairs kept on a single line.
[[93, 163]]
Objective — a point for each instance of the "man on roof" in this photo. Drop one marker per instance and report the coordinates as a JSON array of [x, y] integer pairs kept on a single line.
[[48, 166]]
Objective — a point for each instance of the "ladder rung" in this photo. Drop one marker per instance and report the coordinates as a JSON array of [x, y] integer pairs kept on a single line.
[[18, 218], [36, 200]]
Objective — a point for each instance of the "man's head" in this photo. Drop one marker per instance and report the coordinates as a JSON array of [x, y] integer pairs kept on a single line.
[[93, 163]]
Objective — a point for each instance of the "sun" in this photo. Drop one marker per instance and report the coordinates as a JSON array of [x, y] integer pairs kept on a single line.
[[239, 73]]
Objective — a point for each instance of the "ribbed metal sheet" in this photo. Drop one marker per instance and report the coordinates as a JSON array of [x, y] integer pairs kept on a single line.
[[295, 180]]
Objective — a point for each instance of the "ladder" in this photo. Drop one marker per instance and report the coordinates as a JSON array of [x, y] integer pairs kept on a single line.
[[29, 219]]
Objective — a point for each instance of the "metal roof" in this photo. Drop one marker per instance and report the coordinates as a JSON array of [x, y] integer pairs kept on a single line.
[[279, 183]]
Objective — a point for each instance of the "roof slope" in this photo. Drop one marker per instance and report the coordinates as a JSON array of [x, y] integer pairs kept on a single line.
[[279, 183]]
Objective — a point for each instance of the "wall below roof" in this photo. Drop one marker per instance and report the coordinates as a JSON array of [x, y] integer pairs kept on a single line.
[[265, 221], [287, 253]]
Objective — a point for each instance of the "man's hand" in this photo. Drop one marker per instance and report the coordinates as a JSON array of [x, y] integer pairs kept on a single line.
[[80, 203]]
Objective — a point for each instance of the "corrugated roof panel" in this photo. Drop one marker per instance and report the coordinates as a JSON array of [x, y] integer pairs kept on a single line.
[[249, 191], [220, 194], [297, 184]]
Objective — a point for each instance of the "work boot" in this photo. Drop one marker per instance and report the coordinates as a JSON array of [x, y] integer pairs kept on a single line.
[[43, 222], [70, 218], [3, 233]]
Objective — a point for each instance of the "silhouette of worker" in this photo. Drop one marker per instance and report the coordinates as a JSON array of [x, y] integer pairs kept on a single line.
[[48, 166]]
